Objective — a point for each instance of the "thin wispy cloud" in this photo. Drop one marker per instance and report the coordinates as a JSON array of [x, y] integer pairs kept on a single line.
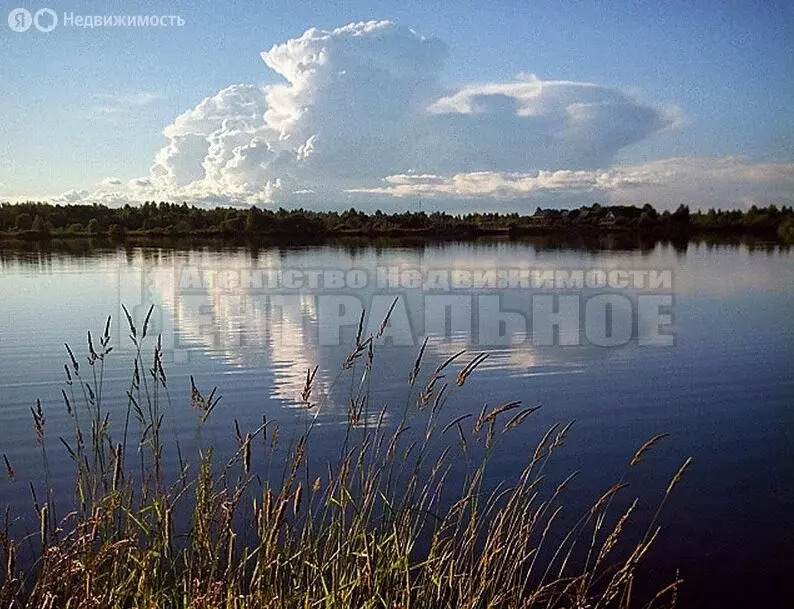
[[137, 98], [109, 105]]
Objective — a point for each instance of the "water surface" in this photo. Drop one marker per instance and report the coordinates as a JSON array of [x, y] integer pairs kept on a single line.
[[723, 389]]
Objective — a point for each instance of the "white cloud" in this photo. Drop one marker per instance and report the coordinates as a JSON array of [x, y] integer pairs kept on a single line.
[[363, 113], [366, 100], [110, 182], [135, 98], [702, 183], [112, 104], [498, 185]]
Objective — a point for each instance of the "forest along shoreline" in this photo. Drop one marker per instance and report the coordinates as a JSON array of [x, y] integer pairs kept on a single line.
[[37, 221]]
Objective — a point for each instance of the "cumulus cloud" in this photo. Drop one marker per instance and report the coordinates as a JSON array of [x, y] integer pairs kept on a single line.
[[365, 101], [100, 196], [702, 183], [536, 124], [72, 196], [363, 113]]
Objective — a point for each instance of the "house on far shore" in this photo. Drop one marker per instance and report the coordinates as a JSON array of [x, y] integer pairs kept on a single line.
[[545, 217], [609, 219]]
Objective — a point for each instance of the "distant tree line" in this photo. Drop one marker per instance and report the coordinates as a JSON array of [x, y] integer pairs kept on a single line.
[[37, 220]]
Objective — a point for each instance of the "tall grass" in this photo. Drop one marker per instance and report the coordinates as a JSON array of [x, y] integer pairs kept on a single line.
[[391, 523]]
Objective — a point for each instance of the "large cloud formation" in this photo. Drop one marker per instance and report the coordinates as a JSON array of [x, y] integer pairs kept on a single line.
[[366, 101], [363, 114]]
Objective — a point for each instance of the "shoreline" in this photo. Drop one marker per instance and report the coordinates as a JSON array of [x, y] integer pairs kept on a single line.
[[402, 236]]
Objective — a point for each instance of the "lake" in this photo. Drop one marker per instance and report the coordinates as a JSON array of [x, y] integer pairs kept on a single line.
[[696, 341]]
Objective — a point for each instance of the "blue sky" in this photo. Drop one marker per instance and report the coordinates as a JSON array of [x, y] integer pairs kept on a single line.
[[697, 91]]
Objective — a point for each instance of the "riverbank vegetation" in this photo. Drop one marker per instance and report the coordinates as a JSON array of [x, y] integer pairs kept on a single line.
[[404, 517], [38, 221]]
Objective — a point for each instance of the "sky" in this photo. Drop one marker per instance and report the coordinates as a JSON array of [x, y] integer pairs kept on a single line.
[[460, 106]]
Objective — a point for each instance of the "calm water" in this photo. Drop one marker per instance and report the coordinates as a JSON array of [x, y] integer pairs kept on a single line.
[[724, 388]]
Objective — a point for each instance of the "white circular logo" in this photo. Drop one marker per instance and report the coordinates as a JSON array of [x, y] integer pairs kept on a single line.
[[45, 20], [20, 20]]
